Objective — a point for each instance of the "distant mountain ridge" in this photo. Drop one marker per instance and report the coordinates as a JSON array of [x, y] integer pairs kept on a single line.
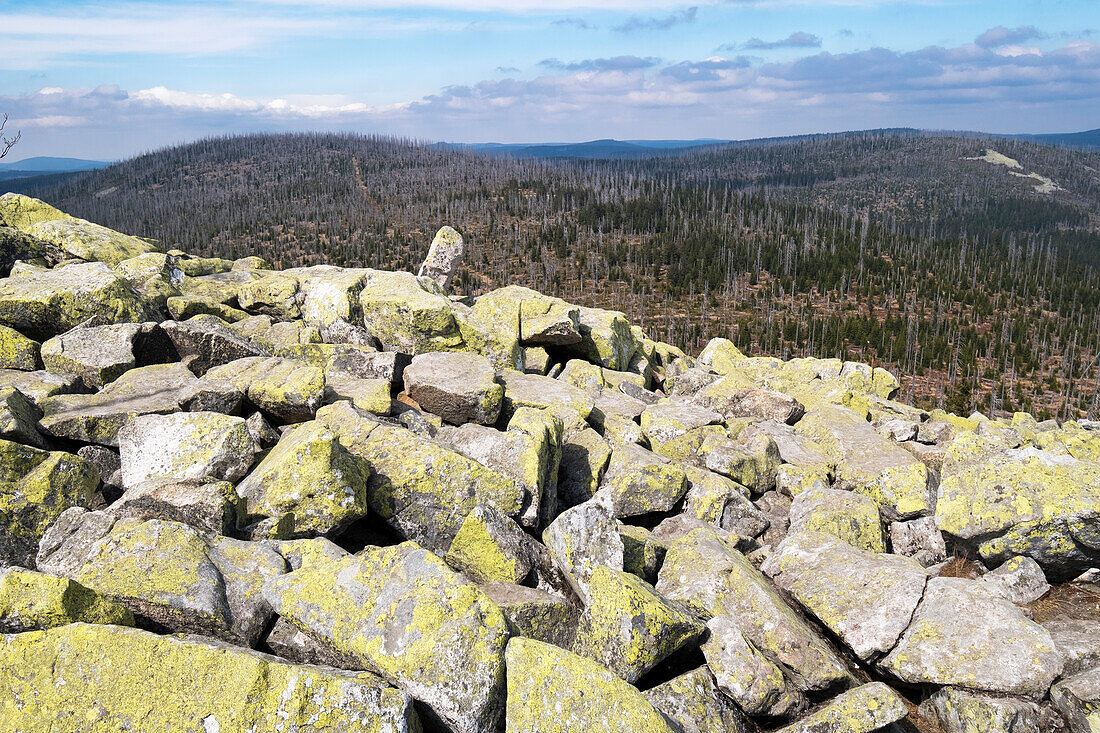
[[43, 165], [611, 149]]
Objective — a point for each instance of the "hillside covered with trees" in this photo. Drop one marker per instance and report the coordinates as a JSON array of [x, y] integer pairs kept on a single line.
[[973, 275]]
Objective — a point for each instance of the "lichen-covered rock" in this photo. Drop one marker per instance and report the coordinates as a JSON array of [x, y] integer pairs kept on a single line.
[[536, 614], [1018, 579], [628, 627], [870, 464], [919, 539], [751, 460], [570, 404], [17, 351], [97, 418], [730, 398], [285, 389], [711, 578], [185, 446], [1077, 698], [694, 702], [212, 507], [865, 598], [745, 675], [459, 387], [36, 486], [32, 601], [666, 421], [444, 257], [44, 304], [543, 320], [861, 710], [551, 690], [1022, 501], [407, 315], [87, 241], [1005, 652], [720, 355], [37, 385], [53, 679], [641, 482], [402, 612], [308, 484], [717, 500], [372, 395], [962, 711], [101, 354], [606, 338], [206, 341], [642, 552], [19, 418], [846, 515], [18, 249], [490, 547], [583, 539], [584, 457], [1078, 640]]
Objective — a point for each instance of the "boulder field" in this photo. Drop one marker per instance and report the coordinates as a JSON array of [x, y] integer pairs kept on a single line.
[[234, 498]]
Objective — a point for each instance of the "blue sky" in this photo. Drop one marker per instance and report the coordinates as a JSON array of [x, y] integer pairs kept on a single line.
[[111, 78]]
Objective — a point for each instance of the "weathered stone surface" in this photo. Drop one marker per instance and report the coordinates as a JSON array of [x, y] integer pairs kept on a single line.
[[584, 457], [694, 702], [101, 354], [17, 351], [712, 579], [641, 482], [18, 248], [962, 711], [869, 464], [406, 315], [372, 395], [551, 690], [212, 507], [1078, 699], [68, 541], [1019, 579], [1021, 501], [751, 460], [744, 674], [732, 400], [206, 341], [285, 389], [846, 515], [87, 241], [44, 304], [861, 710], [38, 385], [303, 552], [1078, 640], [628, 627], [421, 488], [571, 405], [185, 446], [32, 601], [18, 418], [401, 612], [97, 418], [309, 484], [36, 486], [666, 421], [388, 365], [642, 552], [1005, 652], [459, 387], [717, 500], [490, 547], [583, 539], [865, 598], [919, 539], [199, 685], [444, 257], [536, 614]]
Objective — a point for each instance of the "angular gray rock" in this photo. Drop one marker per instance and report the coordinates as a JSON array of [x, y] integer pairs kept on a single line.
[[185, 446], [584, 538], [444, 257], [694, 702], [962, 711], [1006, 652], [919, 539], [864, 709], [745, 675], [459, 387]]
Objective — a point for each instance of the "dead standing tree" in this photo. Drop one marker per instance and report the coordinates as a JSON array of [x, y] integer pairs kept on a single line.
[[6, 143]]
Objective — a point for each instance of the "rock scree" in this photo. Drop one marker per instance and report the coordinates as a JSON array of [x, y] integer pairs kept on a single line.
[[235, 498]]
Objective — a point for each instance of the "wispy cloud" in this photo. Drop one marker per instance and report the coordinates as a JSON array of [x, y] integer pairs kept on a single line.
[[579, 23], [1001, 36], [798, 39], [635, 23], [618, 63]]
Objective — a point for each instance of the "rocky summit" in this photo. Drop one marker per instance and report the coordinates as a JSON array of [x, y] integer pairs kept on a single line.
[[234, 498]]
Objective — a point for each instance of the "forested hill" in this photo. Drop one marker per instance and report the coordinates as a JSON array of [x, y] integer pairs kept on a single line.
[[974, 273]]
